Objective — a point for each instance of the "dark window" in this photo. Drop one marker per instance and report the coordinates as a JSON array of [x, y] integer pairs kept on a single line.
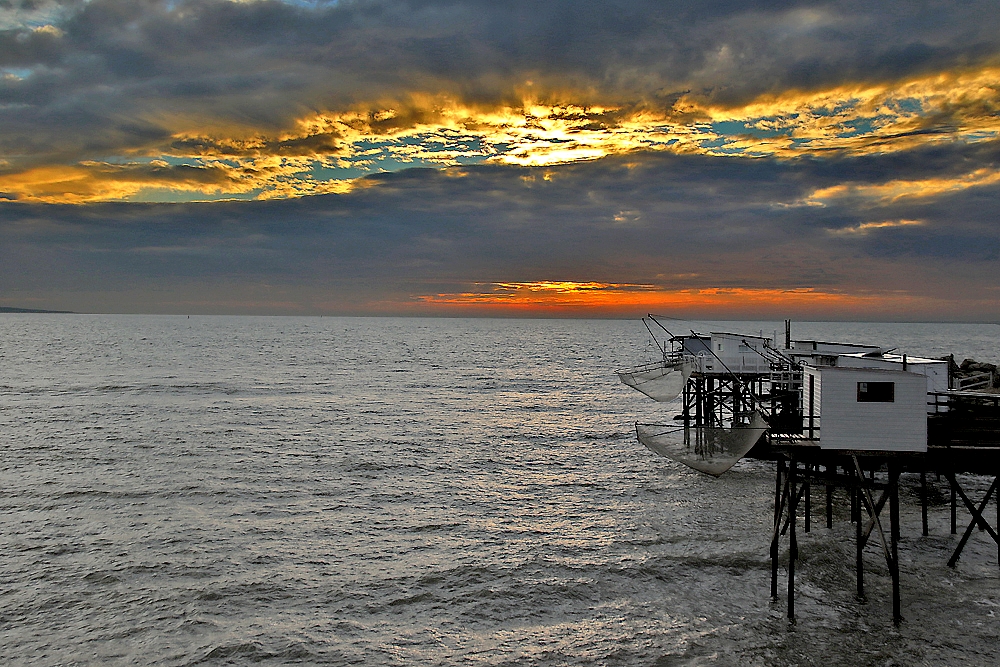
[[876, 392]]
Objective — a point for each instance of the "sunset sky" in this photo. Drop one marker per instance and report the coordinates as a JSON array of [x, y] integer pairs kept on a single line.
[[717, 159]]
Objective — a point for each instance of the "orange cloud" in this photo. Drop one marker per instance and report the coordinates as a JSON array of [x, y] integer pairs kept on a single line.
[[894, 191], [63, 185], [866, 227], [86, 182]]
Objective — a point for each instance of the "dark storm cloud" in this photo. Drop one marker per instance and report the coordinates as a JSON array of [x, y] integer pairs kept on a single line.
[[112, 73], [674, 221]]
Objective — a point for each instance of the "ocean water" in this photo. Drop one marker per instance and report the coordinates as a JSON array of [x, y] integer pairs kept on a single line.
[[335, 491]]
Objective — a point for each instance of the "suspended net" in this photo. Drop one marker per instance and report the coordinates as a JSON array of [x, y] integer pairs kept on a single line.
[[662, 381], [712, 450]]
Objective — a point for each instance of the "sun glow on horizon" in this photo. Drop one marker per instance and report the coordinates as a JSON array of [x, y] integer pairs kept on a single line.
[[565, 297]]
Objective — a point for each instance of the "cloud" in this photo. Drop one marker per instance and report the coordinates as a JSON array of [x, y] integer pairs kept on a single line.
[[897, 190], [866, 227], [702, 230], [340, 90], [101, 181], [323, 150]]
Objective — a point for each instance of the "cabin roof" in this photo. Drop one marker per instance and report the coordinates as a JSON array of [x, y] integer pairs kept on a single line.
[[895, 358], [827, 342]]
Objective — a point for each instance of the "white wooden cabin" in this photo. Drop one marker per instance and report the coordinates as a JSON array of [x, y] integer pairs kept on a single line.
[[865, 409], [731, 353]]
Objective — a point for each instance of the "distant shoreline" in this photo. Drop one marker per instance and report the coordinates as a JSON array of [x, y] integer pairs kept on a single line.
[[9, 309]]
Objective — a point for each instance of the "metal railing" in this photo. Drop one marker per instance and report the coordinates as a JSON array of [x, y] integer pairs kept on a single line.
[[975, 381], [939, 402]]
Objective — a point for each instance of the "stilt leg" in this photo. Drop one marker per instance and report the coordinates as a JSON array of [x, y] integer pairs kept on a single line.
[[793, 545], [894, 531], [855, 504], [923, 500], [808, 508], [859, 559], [954, 506], [831, 473], [779, 474]]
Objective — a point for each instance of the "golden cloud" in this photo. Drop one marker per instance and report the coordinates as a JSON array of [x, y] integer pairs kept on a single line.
[[92, 181], [64, 185], [894, 191], [865, 227], [322, 151]]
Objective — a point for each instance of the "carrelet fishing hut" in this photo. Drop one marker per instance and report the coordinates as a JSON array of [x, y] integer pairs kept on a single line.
[[834, 415], [865, 409]]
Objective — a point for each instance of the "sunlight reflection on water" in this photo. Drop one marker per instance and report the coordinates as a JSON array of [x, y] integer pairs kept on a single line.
[[337, 490]]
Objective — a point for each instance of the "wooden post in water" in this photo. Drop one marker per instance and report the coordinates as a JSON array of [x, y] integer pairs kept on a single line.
[[923, 500], [954, 506], [793, 545], [897, 616], [808, 492], [855, 509], [775, 536], [859, 556], [831, 472], [698, 398]]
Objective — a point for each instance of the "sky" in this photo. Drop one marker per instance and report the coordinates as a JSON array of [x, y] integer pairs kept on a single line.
[[714, 159]]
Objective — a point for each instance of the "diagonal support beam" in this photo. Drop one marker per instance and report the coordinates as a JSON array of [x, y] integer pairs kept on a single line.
[[871, 522], [779, 529], [796, 499], [870, 507], [977, 516], [891, 552]]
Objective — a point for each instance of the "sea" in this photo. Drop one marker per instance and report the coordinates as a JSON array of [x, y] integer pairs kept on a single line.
[[400, 491]]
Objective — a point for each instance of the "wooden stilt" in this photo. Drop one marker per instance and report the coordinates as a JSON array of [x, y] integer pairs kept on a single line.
[[859, 562], [855, 509], [831, 472], [776, 534], [923, 501], [808, 490], [954, 505], [897, 616], [793, 546]]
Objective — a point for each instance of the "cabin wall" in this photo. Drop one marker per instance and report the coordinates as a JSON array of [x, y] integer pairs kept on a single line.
[[848, 423]]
